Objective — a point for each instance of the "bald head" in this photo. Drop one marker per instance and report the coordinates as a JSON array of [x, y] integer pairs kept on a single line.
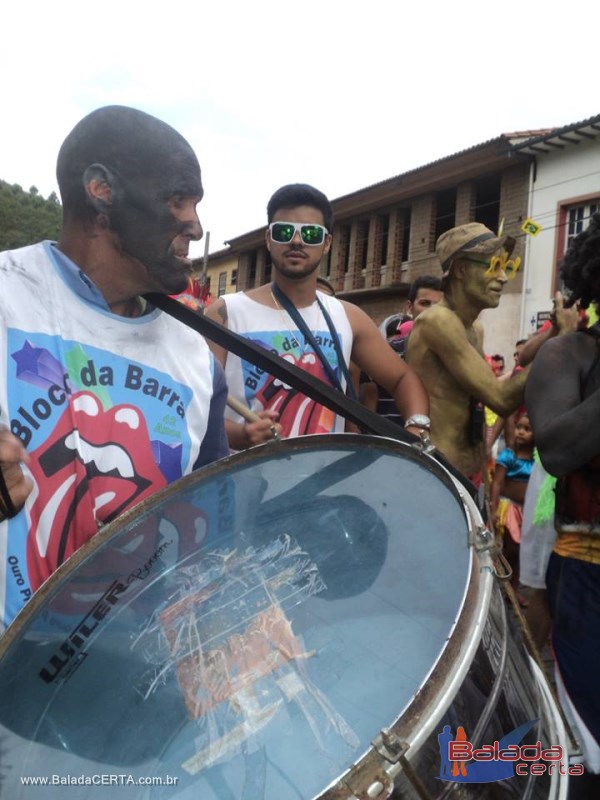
[[134, 148], [131, 183]]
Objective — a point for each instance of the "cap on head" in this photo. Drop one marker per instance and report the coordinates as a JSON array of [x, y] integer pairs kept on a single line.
[[473, 237]]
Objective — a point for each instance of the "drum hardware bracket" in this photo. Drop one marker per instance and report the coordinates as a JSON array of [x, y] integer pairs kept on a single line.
[[483, 539], [424, 444], [390, 747], [367, 780]]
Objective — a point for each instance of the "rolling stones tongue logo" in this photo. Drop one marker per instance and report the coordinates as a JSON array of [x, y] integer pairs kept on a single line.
[[298, 414], [95, 465]]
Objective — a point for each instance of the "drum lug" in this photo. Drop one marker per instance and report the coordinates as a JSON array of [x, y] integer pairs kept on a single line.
[[367, 780], [483, 539], [389, 746], [424, 443]]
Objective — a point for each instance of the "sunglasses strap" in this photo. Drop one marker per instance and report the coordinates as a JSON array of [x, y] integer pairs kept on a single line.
[[299, 320]]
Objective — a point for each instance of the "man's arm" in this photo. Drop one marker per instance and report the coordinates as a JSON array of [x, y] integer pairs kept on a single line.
[[217, 311], [241, 435], [565, 427], [374, 356], [12, 454], [494, 433], [564, 320], [444, 334]]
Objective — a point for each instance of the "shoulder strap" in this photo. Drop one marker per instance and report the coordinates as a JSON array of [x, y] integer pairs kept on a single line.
[[309, 336], [350, 390]]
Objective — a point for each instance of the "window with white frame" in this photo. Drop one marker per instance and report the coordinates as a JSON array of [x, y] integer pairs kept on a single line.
[[578, 218], [222, 283], [573, 218]]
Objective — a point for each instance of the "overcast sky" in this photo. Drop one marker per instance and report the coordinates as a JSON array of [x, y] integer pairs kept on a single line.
[[337, 94]]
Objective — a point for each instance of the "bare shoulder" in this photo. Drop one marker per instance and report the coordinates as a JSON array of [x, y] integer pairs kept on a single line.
[[360, 322], [217, 311], [438, 321], [571, 351], [355, 313]]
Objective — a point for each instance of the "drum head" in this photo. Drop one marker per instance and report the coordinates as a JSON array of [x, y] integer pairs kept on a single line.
[[245, 633]]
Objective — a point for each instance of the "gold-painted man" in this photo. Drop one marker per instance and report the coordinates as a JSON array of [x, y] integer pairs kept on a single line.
[[446, 345]]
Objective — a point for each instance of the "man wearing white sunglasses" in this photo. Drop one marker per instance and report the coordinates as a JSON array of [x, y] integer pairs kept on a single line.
[[316, 332], [446, 345]]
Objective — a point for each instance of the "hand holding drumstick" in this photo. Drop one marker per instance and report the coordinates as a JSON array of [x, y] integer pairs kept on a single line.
[[14, 486], [259, 428]]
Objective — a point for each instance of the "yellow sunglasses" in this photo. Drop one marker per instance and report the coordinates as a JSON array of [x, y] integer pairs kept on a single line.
[[501, 263]]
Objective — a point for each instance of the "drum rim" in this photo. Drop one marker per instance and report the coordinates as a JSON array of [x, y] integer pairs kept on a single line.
[[455, 660], [382, 762], [421, 715]]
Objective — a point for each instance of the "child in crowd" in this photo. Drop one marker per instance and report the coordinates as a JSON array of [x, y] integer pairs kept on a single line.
[[512, 471]]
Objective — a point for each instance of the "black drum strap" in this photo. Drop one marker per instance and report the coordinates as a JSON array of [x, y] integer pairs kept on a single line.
[[293, 376]]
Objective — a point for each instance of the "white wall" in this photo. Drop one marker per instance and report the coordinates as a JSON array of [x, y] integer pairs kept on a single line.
[[501, 328], [561, 176]]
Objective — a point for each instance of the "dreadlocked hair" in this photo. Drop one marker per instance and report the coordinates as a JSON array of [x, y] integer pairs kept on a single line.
[[580, 268]]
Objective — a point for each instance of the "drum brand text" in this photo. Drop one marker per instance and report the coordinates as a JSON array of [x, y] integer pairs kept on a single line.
[[69, 655]]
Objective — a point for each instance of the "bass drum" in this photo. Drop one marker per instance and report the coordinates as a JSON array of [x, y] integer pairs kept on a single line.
[[300, 620]]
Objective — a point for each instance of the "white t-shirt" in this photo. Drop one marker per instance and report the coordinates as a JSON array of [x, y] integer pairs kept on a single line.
[[110, 409]]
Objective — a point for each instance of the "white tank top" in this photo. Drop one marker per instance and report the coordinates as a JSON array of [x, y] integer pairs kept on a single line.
[[274, 330]]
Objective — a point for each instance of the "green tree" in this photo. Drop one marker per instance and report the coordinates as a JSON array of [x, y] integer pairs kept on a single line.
[[25, 217]]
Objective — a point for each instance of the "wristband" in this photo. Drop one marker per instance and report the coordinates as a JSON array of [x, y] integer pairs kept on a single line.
[[418, 421]]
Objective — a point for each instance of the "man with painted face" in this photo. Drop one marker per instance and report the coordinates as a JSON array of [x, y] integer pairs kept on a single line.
[[318, 333], [103, 399], [446, 345]]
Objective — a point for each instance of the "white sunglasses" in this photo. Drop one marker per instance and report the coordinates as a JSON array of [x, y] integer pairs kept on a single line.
[[284, 232]]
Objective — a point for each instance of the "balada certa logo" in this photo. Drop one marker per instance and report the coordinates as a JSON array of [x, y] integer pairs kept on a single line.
[[461, 762]]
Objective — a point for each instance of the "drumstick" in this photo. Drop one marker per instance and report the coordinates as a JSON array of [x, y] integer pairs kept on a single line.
[[247, 414]]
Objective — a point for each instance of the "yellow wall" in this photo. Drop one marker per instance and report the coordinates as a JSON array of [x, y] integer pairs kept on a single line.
[[228, 265]]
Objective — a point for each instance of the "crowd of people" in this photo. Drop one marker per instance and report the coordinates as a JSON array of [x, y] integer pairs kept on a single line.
[[104, 399]]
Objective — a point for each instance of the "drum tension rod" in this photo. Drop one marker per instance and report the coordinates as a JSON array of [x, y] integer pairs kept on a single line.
[[424, 443], [501, 568], [393, 749]]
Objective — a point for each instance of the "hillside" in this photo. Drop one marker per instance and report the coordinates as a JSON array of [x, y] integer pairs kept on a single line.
[[26, 217]]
